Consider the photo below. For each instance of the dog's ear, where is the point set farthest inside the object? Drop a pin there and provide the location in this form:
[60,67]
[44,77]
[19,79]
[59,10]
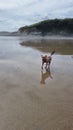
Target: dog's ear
[41,56]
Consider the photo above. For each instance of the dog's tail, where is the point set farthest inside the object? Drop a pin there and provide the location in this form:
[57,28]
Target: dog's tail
[52,53]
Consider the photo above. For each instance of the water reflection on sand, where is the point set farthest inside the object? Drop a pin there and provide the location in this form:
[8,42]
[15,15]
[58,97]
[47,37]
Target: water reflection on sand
[26,104]
[45,75]
[61,46]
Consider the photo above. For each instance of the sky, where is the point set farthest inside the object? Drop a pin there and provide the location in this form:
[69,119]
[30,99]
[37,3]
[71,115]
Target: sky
[17,13]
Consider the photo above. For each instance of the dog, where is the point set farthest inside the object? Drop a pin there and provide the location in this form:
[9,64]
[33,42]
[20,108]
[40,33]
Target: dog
[47,59]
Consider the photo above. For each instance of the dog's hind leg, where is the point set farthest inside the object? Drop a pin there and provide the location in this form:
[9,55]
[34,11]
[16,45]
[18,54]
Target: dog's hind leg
[46,66]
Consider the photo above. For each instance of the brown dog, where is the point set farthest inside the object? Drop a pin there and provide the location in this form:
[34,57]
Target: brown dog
[47,59]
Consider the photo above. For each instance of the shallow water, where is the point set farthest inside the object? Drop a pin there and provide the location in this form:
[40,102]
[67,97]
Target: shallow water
[31,99]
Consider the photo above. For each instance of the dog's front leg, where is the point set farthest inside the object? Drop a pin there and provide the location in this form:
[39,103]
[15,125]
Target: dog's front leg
[47,66]
[42,65]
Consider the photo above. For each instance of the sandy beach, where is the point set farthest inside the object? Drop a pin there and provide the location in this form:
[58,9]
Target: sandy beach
[30,99]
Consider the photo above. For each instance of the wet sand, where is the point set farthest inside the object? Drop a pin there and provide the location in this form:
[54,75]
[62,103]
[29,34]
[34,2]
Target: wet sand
[30,99]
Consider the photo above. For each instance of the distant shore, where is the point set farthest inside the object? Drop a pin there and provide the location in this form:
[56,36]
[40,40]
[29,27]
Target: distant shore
[60,28]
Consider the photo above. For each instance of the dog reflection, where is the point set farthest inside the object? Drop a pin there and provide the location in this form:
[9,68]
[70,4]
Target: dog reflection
[45,75]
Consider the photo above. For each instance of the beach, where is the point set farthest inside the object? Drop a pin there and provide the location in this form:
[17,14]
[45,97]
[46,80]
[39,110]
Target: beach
[30,99]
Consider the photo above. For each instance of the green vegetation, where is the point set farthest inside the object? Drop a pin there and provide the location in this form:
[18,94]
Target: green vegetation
[56,26]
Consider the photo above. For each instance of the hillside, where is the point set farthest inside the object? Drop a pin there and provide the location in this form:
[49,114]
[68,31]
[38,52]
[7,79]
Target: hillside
[4,33]
[49,27]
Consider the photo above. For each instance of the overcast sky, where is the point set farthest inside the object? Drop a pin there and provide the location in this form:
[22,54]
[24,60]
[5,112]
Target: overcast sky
[18,13]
